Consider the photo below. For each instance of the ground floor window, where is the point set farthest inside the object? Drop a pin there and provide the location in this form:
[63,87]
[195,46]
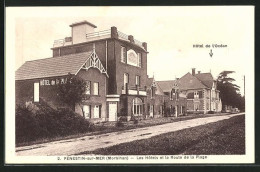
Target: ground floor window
[196,107]
[161,110]
[86,111]
[137,106]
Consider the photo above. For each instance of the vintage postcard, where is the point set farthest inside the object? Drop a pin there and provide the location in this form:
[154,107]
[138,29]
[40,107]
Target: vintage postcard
[129,85]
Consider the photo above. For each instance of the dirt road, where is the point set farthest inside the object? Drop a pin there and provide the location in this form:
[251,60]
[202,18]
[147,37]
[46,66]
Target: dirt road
[90,143]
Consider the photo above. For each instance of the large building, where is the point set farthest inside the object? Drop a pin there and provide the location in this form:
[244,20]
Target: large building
[113,64]
[114,68]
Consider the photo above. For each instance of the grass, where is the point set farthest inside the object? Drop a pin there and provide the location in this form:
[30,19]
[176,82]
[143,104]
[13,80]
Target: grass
[108,127]
[226,137]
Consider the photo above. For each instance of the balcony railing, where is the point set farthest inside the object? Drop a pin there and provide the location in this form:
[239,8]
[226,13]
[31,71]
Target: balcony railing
[122,36]
[134,90]
[97,36]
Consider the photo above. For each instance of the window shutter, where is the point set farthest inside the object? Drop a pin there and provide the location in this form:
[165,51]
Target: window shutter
[99,111]
[90,114]
[200,94]
[190,96]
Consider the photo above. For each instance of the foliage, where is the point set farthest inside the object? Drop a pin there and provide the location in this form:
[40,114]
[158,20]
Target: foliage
[211,112]
[229,92]
[47,123]
[72,91]
[119,124]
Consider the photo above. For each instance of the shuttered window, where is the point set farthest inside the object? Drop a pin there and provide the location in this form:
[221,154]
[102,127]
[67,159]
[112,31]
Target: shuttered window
[96,88]
[87,87]
[139,62]
[123,54]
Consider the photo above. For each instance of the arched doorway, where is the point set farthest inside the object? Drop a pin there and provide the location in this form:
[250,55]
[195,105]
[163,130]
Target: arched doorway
[137,107]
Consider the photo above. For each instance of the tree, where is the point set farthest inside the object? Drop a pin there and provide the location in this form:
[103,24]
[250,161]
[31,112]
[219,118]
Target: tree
[229,92]
[72,91]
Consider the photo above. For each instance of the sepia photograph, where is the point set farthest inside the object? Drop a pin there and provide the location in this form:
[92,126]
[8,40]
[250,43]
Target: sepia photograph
[168,84]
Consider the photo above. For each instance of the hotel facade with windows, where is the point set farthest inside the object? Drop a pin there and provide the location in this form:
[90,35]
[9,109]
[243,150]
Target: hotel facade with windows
[113,65]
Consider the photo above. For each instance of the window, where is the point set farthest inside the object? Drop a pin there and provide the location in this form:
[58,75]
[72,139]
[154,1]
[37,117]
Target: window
[152,92]
[126,79]
[137,106]
[96,88]
[36,96]
[196,94]
[172,93]
[86,111]
[87,87]
[137,80]
[123,54]
[139,60]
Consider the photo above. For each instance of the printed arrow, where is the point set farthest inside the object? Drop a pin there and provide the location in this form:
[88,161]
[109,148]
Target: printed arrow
[211,54]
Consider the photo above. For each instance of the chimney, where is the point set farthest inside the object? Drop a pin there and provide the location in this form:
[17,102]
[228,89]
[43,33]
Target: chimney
[198,72]
[144,45]
[80,30]
[114,33]
[193,71]
[131,38]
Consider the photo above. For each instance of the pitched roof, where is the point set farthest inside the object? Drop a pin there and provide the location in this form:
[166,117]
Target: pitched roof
[159,90]
[149,82]
[53,66]
[205,78]
[188,81]
[166,86]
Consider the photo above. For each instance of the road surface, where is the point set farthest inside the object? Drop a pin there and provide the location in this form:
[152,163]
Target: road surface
[90,143]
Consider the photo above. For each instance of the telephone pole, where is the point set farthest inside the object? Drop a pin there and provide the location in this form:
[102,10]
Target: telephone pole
[244,85]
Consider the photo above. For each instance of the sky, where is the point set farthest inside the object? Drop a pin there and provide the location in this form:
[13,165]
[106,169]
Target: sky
[170,33]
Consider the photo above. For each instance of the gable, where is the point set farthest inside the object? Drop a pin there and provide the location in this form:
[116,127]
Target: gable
[206,79]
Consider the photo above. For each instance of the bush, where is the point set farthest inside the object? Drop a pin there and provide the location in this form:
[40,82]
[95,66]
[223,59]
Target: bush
[135,121]
[122,118]
[119,124]
[48,123]
[26,125]
[211,112]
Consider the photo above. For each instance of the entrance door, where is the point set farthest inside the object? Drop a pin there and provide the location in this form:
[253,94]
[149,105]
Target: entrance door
[151,110]
[96,111]
[112,111]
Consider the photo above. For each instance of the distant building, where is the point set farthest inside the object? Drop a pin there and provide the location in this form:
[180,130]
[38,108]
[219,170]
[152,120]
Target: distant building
[155,99]
[175,99]
[201,91]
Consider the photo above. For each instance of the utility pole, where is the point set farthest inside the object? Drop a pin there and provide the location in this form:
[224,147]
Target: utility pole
[244,86]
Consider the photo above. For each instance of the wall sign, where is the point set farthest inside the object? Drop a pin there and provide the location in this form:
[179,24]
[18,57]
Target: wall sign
[53,81]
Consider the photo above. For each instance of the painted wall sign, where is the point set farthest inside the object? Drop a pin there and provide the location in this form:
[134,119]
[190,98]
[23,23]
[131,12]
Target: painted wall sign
[53,81]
